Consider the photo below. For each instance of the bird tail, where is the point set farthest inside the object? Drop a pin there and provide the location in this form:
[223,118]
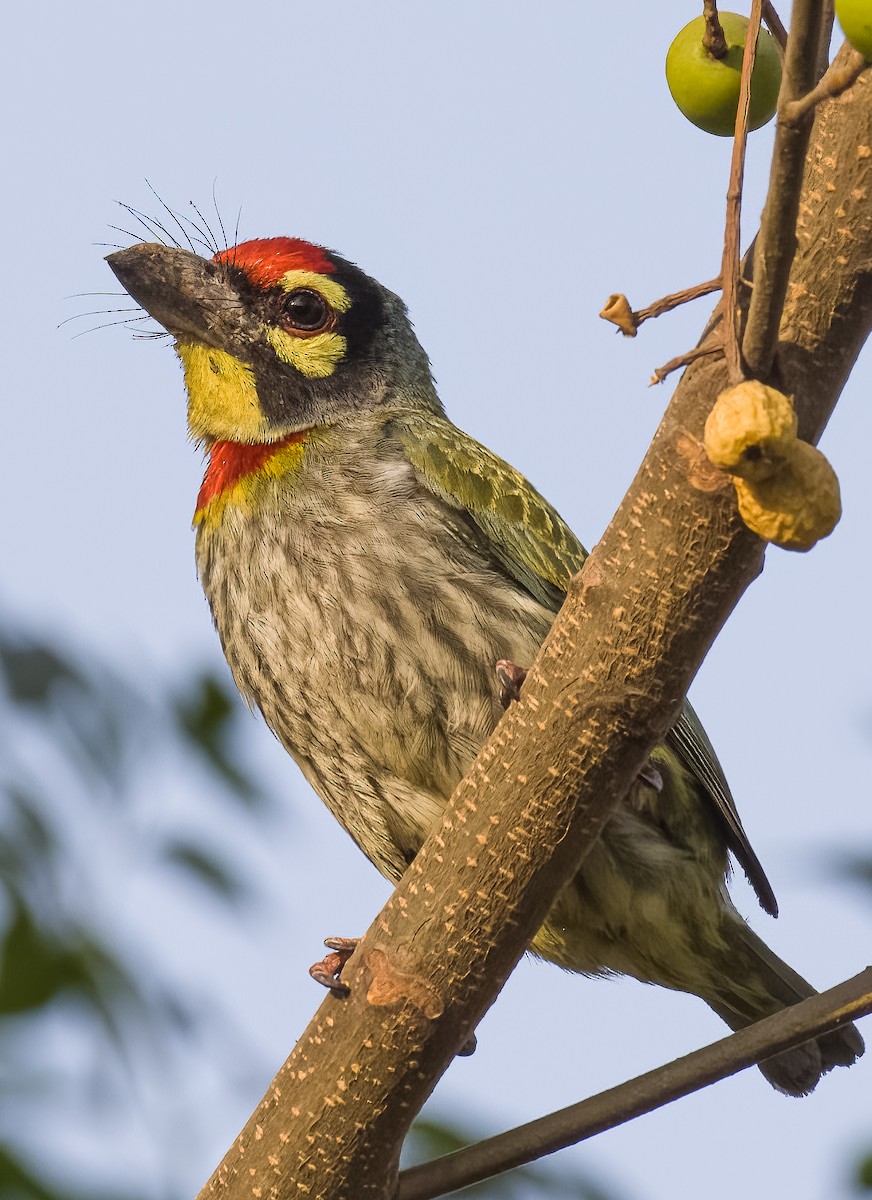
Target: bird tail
[769,985]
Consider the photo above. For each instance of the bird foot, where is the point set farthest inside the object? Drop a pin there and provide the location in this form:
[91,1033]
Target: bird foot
[511,679]
[327,972]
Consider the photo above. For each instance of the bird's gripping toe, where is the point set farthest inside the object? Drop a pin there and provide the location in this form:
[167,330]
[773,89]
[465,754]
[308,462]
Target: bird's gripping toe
[511,679]
[328,971]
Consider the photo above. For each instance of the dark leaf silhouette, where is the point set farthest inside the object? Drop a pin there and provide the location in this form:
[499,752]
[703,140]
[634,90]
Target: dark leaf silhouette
[76,733]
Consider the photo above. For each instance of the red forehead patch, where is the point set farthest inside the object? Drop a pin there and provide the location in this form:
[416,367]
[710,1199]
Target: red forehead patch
[266,260]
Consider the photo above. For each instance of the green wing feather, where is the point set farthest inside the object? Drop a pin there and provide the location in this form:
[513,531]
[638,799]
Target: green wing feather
[530,539]
[539,550]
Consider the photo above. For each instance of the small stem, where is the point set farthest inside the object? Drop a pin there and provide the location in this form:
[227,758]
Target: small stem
[667,303]
[713,38]
[836,79]
[827,21]
[774,25]
[617,308]
[732,231]
[776,242]
[683,360]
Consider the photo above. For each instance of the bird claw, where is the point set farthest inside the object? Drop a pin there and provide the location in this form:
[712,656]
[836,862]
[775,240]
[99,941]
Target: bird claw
[511,679]
[327,972]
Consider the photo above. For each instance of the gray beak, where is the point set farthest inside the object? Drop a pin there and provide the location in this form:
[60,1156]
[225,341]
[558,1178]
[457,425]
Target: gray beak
[190,296]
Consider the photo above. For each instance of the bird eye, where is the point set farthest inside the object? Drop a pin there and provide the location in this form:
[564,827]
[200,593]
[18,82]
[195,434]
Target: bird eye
[307,310]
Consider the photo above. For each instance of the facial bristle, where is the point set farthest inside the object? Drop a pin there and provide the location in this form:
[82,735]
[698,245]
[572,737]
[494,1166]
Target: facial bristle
[266,260]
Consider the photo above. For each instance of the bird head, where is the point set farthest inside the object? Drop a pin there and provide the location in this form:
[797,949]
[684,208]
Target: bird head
[277,335]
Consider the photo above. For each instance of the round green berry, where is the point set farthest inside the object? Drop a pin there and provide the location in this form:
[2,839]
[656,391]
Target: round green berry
[855,18]
[706,89]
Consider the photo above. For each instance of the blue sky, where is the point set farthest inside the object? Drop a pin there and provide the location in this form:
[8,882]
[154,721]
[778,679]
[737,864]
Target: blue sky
[504,168]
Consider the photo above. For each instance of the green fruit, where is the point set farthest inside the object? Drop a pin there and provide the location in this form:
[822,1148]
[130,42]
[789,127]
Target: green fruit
[706,89]
[855,18]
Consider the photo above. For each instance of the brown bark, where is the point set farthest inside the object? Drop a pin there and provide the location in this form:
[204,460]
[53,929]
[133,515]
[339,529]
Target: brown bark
[776,241]
[606,687]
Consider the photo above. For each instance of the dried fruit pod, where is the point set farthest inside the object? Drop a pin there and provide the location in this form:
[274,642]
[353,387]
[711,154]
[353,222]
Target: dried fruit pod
[617,310]
[751,431]
[798,505]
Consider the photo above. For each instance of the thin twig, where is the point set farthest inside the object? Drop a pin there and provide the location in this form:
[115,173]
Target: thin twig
[683,360]
[713,39]
[828,19]
[836,79]
[666,303]
[617,308]
[776,242]
[732,230]
[774,25]
[791,1027]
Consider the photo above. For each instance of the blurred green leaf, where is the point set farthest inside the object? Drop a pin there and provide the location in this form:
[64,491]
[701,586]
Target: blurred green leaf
[864,1175]
[207,869]
[74,732]
[857,868]
[27,836]
[34,968]
[33,671]
[17,1182]
[205,716]
[90,708]
[39,965]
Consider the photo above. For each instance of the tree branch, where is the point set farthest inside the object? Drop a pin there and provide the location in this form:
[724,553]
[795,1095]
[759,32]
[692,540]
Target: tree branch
[828,20]
[607,685]
[684,360]
[774,24]
[841,74]
[617,307]
[732,231]
[577,1122]
[667,303]
[776,241]
[713,39]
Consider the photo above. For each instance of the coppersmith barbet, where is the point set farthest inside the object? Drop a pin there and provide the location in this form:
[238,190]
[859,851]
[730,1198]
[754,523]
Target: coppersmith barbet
[354,543]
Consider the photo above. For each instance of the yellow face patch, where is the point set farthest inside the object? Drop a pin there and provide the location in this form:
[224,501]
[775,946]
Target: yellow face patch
[222,397]
[315,357]
[222,394]
[334,293]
